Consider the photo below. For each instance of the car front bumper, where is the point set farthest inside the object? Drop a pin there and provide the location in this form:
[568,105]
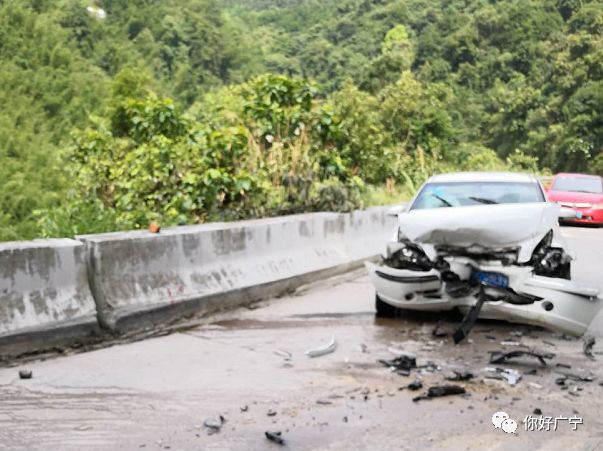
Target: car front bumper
[585,216]
[562,306]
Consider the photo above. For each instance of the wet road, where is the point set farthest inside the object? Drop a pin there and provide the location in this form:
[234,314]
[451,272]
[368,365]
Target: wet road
[155,394]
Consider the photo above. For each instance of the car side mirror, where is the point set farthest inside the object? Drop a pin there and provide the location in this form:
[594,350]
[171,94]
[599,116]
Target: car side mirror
[567,213]
[395,211]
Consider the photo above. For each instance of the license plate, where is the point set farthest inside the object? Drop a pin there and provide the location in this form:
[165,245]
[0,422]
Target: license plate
[579,214]
[493,279]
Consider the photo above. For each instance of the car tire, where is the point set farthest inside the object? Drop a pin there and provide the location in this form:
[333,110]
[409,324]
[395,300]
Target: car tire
[384,309]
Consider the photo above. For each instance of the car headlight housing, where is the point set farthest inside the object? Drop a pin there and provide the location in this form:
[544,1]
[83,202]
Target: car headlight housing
[550,261]
[407,255]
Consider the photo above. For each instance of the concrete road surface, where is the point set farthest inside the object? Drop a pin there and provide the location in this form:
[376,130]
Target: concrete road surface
[157,393]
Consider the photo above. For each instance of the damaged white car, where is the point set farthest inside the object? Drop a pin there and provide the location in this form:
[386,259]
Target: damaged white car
[488,244]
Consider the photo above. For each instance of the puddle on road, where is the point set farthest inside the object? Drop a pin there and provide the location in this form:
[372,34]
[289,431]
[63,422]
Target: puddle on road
[410,320]
[295,321]
[334,315]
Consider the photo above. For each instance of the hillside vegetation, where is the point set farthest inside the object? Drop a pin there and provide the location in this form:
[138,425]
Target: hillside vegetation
[184,111]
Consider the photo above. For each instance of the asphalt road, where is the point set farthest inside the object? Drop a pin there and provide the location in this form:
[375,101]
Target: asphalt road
[156,394]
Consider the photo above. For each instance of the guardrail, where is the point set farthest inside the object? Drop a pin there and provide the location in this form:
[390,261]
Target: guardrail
[45,299]
[58,291]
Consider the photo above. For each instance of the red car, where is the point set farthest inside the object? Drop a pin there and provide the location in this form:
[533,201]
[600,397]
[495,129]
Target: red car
[583,193]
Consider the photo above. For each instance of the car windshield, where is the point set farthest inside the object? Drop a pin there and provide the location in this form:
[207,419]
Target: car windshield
[578,184]
[458,194]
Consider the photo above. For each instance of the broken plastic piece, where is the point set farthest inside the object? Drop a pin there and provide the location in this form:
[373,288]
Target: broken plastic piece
[470,318]
[323,350]
[284,354]
[430,367]
[510,343]
[416,385]
[214,424]
[276,437]
[502,357]
[25,374]
[573,377]
[445,390]
[401,365]
[441,390]
[438,330]
[460,376]
[510,375]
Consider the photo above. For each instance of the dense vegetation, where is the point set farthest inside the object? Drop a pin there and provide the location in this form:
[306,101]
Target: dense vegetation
[183,111]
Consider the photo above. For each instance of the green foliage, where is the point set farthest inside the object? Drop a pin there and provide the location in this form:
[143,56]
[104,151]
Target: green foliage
[185,111]
[597,166]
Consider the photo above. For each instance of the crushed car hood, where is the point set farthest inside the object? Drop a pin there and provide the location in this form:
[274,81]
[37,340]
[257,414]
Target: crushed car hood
[492,226]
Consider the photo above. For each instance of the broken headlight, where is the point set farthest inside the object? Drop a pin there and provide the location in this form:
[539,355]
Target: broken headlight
[407,255]
[550,261]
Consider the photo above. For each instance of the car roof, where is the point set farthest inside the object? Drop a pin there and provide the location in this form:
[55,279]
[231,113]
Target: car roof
[484,177]
[575,174]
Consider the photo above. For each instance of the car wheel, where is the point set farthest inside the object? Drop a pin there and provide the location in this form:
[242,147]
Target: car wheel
[384,309]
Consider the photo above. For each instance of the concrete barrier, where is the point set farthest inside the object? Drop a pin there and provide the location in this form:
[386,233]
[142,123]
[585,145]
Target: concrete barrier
[45,299]
[140,277]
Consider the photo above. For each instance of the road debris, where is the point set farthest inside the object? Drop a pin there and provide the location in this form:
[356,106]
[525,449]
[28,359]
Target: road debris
[428,367]
[415,385]
[276,437]
[323,402]
[271,413]
[587,347]
[323,350]
[245,408]
[512,376]
[460,376]
[441,390]
[25,374]
[537,411]
[510,343]
[563,365]
[438,330]
[286,355]
[470,318]
[502,357]
[214,425]
[400,365]
[573,377]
